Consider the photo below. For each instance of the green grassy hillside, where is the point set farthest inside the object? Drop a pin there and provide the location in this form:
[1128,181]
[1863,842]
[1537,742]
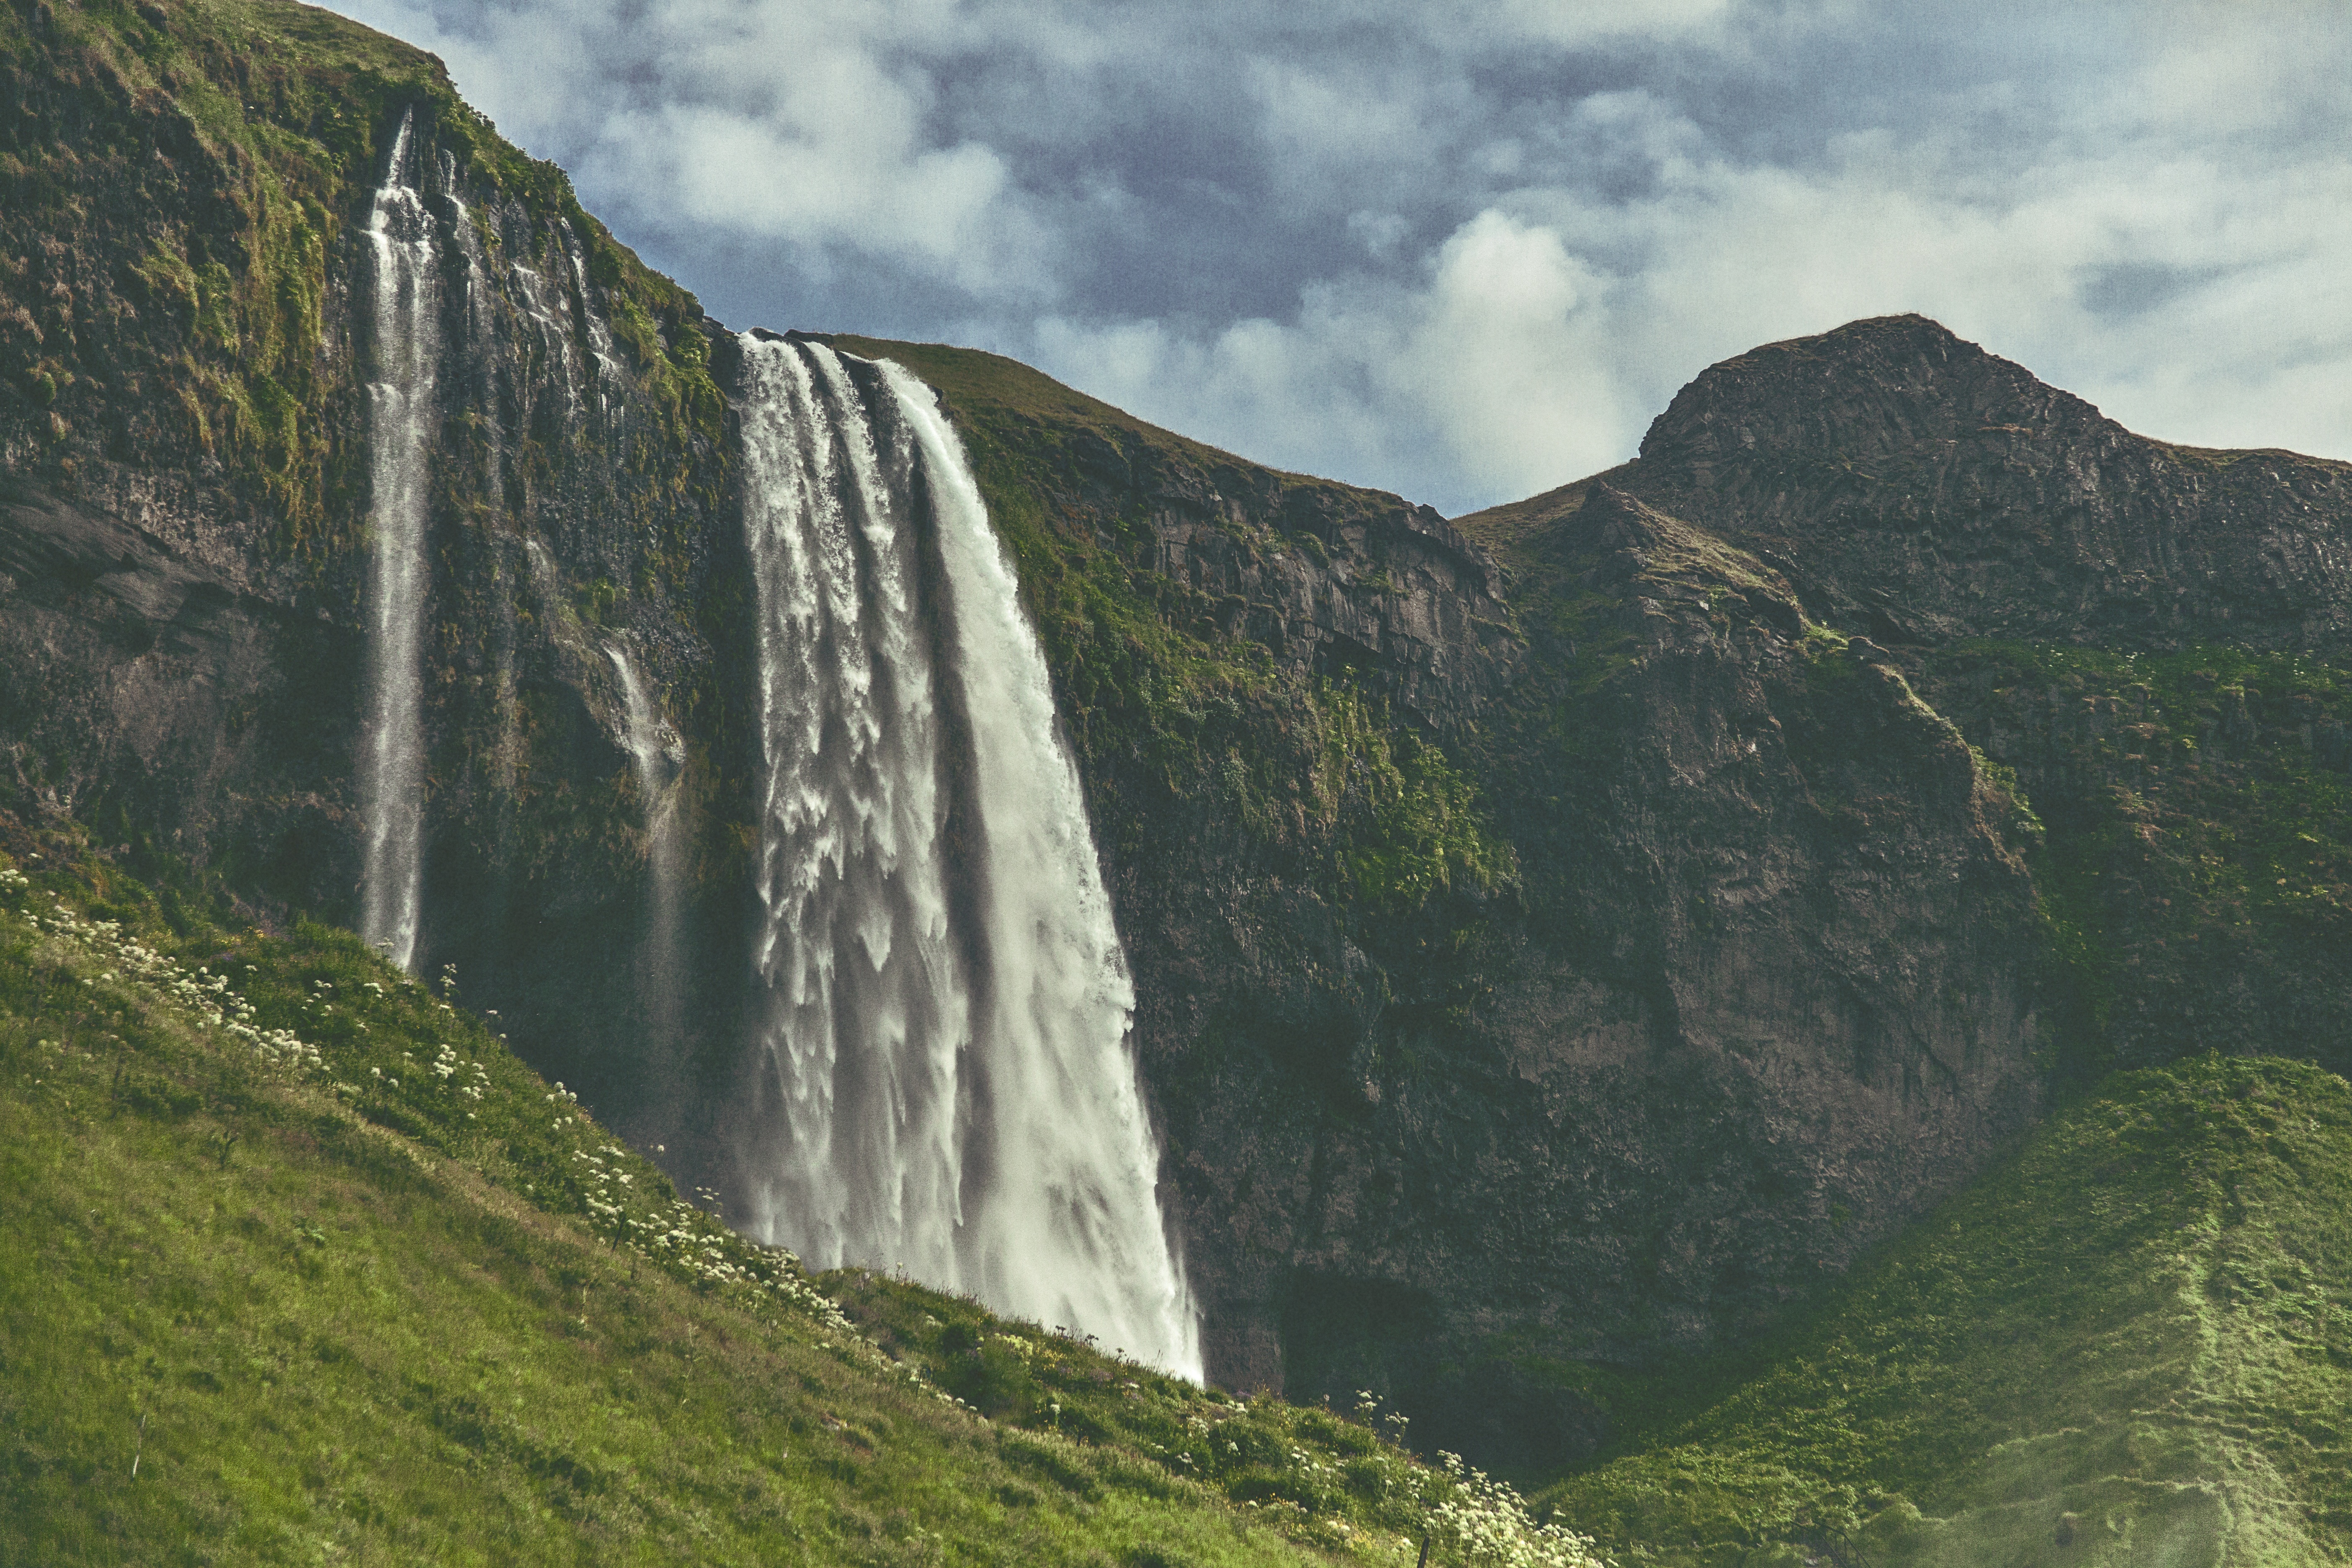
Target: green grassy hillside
[298,1264]
[2130,1344]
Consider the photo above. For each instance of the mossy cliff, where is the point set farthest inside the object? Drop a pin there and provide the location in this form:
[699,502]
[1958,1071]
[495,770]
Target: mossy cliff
[185,347]
[1663,957]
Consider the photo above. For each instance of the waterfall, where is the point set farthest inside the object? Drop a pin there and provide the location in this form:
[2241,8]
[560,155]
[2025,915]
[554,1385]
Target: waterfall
[600,336]
[399,431]
[654,757]
[946,1000]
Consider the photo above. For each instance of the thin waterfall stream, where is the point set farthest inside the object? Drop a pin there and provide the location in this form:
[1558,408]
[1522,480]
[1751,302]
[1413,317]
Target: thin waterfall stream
[654,757]
[946,1001]
[400,430]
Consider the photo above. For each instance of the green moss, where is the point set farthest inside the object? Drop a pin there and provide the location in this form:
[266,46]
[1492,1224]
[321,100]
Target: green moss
[1376,816]
[1425,832]
[279,108]
[2192,818]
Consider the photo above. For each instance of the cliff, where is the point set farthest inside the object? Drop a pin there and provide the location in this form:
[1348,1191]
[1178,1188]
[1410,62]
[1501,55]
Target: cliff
[2153,638]
[185,349]
[1721,966]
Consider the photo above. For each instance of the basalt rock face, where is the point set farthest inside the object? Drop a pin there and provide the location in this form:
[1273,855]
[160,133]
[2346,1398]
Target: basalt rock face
[2153,637]
[1769,991]
[1736,977]
[160,684]
[1923,490]
[187,348]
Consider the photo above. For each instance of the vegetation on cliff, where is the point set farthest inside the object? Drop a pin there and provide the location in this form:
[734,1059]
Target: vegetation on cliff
[177,181]
[2198,865]
[1346,790]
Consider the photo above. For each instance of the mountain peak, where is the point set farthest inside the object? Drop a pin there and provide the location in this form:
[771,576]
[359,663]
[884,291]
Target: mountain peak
[1925,490]
[1871,387]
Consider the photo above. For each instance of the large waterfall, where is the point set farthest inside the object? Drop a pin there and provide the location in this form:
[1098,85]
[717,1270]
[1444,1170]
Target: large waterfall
[400,420]
[946,1001]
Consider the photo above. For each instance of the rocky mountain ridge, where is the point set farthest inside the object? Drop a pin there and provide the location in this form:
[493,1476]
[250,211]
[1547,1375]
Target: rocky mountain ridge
[2151,636]
[1928,491]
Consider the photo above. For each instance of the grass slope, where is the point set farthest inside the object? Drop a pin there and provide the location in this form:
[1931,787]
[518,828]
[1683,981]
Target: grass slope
[299,1265]
[2130,1344]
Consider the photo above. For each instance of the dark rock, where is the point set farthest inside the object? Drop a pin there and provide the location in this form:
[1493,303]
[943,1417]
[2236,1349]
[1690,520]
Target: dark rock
[1914,476]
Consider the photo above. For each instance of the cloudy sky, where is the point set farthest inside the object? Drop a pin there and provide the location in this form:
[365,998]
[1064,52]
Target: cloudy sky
[1465,251]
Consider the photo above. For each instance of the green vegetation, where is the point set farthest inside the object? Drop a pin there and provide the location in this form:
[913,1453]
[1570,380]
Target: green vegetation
[301,1264]
[2195,805]
[2129,1343]
[1328,1480]
[1427,833]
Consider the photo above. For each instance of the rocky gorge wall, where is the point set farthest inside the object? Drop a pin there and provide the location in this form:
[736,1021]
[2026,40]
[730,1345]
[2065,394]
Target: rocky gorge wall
[1556,947]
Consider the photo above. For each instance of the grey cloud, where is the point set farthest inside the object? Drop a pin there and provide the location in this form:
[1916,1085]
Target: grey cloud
[2134,288]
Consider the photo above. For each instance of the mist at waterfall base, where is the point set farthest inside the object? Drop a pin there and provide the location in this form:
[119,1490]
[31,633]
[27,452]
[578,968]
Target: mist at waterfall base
[946,1003]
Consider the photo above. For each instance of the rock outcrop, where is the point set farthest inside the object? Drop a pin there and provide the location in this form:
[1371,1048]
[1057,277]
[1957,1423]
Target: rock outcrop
[1923,489]
[1768,991]
[2153,637]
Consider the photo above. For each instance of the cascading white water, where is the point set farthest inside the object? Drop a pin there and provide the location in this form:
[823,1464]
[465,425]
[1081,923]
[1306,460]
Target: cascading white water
[400,418]
[947,1000]
[600,336]
[554,336]
[653,760]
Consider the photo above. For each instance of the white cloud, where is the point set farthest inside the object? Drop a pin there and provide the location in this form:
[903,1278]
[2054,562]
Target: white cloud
[1511,354]
[840,183]
[809,125]
[1570,23]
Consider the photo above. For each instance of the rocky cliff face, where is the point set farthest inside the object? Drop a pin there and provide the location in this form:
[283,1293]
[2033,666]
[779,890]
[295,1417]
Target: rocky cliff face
[2153,637]
[1669,955]
[1547,959]
[1767,992]
[186,344]
[1923,490]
